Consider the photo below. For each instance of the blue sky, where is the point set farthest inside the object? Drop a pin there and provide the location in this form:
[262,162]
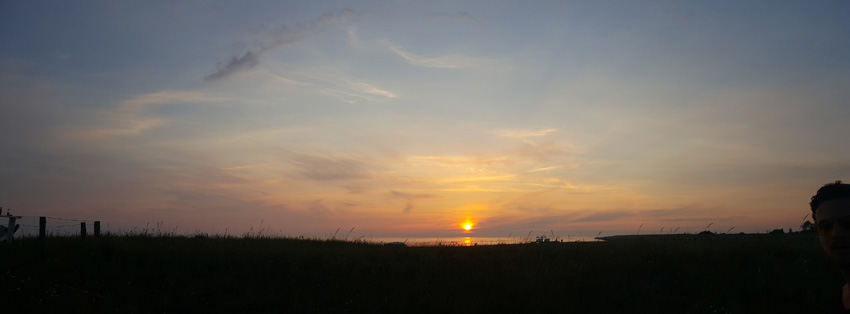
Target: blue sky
[405,118]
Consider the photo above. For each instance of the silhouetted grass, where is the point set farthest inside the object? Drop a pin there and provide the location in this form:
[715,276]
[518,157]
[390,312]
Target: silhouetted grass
[217,274]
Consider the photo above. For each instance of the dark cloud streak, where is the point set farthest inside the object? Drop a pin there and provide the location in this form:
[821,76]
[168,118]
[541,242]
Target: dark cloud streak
[283,36]
[410,198]
[246,62]
[325,168]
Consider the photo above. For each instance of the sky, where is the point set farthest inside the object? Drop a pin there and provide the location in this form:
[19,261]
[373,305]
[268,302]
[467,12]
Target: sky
[413,118]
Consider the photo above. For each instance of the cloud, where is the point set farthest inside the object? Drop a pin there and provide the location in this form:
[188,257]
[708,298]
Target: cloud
[166,97]
[542,151]
[336,83]
[246,62]
[316,206]
[410,197]
[499,178]
[372,90]
[474,190]
[128,127]
[533,221]
[602,217]
[206,200]
[351,92]
[544,169]
[474,163]
[329,168]
[690,213]
[129,118]
[455,61]
[531,147]
[283,36]
[353,39]
[523,134]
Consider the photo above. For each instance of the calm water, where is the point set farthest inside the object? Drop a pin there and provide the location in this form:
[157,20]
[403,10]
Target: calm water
[470,241]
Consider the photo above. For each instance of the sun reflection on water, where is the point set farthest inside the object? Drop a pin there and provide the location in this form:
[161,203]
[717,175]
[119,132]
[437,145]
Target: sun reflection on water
[467,242]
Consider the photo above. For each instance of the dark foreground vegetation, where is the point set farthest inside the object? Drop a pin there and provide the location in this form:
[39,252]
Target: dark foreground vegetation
[144,274]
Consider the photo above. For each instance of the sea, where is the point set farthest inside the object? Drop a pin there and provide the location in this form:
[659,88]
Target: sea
[472,241]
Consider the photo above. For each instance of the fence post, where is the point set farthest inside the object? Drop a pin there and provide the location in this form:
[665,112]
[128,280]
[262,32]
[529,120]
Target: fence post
[83,230]
[97,228]
[42,228]
[11,231]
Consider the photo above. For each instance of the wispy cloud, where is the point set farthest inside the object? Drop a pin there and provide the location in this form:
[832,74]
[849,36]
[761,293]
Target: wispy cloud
[128,127]
[411,197]
[523,134]
[686,216]
[353,92]
[235,65]
[473,190]
[283,36]
[129,117]
[453,61]
[542,151]
[353,39]
[372,90]
[471,165]
[137,103]
[544,169]
[326,167]
[333,82]
[605,216]
[536,145]
[500,178]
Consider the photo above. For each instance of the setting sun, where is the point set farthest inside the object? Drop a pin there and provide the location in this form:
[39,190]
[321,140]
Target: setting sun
[467,225]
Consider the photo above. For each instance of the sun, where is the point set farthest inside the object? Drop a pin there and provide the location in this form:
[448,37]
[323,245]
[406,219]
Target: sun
[467,225]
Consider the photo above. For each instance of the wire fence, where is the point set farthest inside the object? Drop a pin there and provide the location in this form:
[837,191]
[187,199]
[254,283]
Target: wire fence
[49,226]
[31,226]
[67,219]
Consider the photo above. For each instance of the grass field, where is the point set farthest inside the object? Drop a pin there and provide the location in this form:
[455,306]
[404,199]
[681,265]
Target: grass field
[149,274]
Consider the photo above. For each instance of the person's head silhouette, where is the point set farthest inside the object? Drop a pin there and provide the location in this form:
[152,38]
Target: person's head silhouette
[831,212]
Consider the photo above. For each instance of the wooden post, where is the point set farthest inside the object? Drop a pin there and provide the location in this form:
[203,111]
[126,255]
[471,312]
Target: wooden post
[83,230]
[11,231]
[42,228]
[97,228]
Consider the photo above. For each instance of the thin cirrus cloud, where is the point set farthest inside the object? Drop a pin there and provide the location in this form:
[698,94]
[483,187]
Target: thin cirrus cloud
[329,81]
[372,90]
[411,198]
[465,163]
[497,178]
[606,216]
[353,92]
[326,167]
[130,116]
[523,134]
[544,169]
[453,61]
